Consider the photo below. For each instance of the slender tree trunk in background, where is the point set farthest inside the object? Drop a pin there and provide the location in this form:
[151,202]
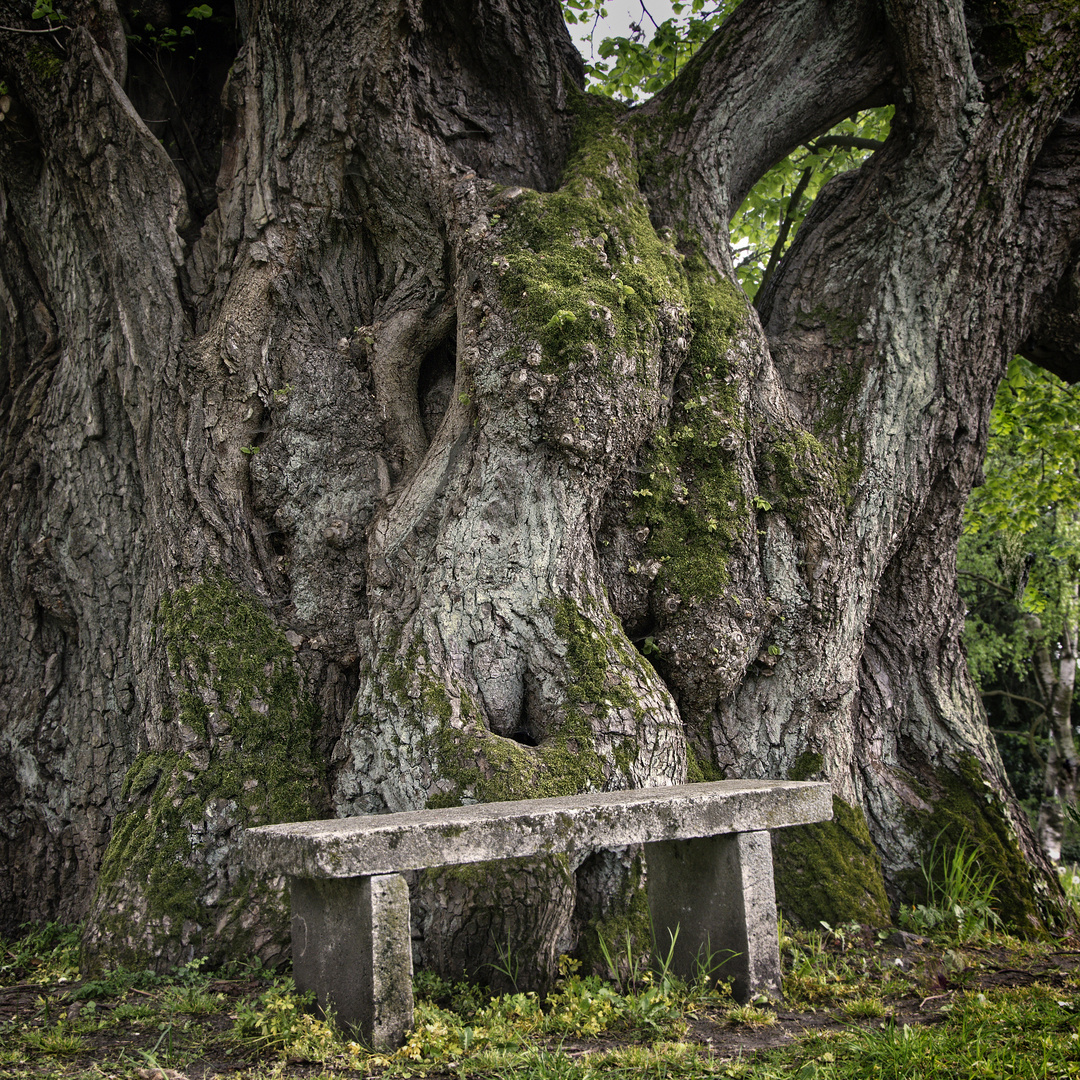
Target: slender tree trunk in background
[1062,760]
[352,481]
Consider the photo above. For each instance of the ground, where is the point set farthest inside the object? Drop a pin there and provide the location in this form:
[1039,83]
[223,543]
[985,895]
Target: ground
[857,1003]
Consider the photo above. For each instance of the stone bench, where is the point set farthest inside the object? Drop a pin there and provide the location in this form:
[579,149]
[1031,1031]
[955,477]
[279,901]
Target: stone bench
[707,852]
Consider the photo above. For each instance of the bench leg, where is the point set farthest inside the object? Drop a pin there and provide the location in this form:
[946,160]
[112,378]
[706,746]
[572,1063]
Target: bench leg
[718,891]
[351,945]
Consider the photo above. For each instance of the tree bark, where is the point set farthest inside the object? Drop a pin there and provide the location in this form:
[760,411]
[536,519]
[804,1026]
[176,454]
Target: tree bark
[353,482]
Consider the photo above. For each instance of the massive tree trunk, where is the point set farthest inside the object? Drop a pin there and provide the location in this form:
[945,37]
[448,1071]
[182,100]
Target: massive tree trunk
[356,481]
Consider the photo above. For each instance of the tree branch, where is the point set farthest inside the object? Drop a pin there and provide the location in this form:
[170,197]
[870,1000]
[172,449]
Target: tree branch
[845,142]
[785,226]
[931,42]
[47,30]
[987,581]
[773,77]
[1014,697]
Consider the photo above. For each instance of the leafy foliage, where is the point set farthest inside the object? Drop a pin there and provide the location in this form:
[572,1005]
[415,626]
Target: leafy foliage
[764,226]
[959,897]
[1033,463]
[1018,561]
[632,68]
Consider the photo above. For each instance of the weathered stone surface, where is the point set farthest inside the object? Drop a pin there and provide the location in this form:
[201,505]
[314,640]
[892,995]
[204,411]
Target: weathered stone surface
[712,901]
[710,880]
[351,946]
[392,843]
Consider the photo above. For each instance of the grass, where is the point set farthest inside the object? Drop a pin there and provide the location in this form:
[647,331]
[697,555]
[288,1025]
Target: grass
[959,897]
[855,1007]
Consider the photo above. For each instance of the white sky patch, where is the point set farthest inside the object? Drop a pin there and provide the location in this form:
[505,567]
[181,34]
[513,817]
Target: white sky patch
[621,13]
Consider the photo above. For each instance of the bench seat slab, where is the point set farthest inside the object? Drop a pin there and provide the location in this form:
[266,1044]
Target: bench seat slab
[717,893]
[424,839]
[352,946]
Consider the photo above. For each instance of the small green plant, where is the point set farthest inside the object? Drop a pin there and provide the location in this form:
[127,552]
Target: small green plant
[508,964]
[751,1015]
[278,1020]
[46,953]
[843,935]
[115,983]
[58,1041]
[44,9]
[625,967]
[864,1008]
[193,1000]
[560,318]
[959,897]
[1069,876]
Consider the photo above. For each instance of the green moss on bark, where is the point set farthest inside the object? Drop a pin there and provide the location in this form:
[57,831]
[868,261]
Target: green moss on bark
[584,266]
[967,811]
[691,496]
[807,765]
[475,764]
[251,729]
[700,770]
[830,870]
[588,275]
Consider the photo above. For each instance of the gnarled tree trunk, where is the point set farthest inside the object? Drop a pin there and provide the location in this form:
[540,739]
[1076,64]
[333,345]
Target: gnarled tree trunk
[356,482]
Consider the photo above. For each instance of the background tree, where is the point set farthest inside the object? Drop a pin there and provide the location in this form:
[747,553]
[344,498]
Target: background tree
[1019,559]
[353,482]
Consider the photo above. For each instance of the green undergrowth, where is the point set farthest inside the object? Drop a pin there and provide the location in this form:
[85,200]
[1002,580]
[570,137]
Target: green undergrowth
[968,813]
[854,1008]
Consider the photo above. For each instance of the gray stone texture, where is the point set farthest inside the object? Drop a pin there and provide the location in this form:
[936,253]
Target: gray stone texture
[393,843]
[351,945]
[714,896]
[710,876]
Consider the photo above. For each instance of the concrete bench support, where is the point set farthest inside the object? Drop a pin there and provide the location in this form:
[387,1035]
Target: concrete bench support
[352,946]
[715,896]
[708,857]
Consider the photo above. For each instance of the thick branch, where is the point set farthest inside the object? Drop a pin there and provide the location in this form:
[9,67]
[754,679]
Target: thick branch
[934,57]
[772,77]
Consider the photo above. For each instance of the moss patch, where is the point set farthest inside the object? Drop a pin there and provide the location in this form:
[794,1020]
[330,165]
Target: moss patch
[588,275]
[44,62]
[807,765]
[700,770]
[691,497]
[966,811]
[585,266]
[830,870]
[239,693]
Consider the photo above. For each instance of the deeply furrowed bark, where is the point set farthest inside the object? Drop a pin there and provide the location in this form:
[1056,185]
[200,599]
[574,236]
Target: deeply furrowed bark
[355,484]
